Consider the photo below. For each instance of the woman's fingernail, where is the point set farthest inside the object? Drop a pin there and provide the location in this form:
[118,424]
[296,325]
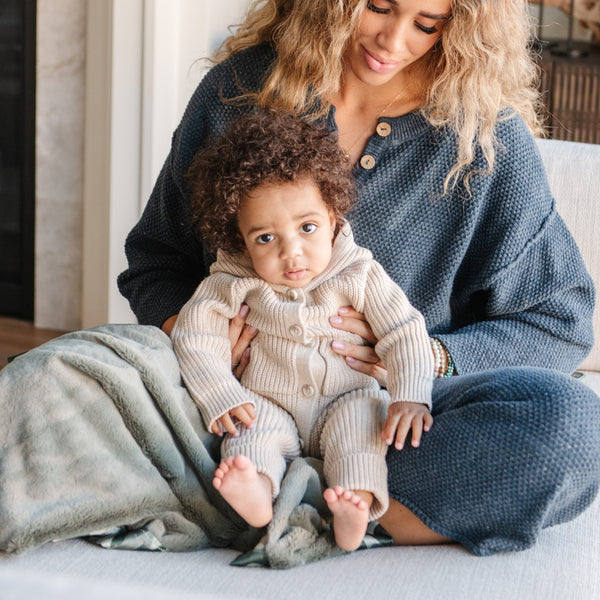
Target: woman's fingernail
[337,345]
[344,310]
[350,360]
[336,320]
[252,330]
[246,353]
[244,310]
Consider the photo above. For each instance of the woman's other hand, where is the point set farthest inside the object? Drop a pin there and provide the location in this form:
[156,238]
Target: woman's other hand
[360,358]
[240,337]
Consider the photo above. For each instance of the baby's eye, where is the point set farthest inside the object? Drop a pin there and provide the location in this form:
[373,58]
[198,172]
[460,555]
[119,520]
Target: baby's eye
[309,228]
[265,238]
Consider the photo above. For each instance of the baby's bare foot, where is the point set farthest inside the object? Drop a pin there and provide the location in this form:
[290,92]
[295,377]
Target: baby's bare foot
[350,516]
[246,490]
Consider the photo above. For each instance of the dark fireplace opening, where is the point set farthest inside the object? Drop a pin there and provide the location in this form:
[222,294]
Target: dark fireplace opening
[17,156]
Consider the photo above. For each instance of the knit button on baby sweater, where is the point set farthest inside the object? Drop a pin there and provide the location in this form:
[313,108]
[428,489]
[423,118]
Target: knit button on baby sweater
[308,391]
[296,331]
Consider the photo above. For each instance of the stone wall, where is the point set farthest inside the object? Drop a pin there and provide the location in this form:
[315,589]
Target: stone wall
[60,98]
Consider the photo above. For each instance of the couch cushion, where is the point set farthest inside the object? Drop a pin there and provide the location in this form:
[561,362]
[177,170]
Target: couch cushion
[574,175]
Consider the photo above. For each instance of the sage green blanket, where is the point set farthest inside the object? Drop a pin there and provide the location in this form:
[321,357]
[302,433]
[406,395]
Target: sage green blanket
[100,438]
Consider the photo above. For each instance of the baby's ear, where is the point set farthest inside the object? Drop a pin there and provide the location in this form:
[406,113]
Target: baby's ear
[332,222]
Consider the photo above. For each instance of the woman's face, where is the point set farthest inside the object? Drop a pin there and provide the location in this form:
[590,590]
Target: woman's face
[393,34]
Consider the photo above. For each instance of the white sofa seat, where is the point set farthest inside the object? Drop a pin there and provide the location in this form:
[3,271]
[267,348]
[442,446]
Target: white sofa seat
[563,564]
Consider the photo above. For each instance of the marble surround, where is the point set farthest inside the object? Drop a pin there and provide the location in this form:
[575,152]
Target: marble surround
[60,99]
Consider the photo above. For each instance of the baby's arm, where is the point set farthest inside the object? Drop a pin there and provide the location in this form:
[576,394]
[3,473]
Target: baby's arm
[244,414]
[403,416]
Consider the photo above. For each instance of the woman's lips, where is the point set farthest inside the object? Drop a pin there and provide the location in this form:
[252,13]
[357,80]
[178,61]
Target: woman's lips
[378,65]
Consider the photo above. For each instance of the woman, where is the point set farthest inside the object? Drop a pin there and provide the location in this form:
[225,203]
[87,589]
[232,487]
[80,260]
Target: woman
[435,103]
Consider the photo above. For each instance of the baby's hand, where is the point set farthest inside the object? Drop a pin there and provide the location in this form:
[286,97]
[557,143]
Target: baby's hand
[244,414]
[403,416]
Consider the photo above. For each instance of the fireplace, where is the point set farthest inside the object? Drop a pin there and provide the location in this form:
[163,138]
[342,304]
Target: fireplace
[17,156]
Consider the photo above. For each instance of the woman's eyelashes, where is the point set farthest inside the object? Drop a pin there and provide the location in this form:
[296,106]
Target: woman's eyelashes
[427,30]
[384,11]
[377,9]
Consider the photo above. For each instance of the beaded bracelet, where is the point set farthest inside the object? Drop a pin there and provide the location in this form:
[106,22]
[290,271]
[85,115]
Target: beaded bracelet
[443,363]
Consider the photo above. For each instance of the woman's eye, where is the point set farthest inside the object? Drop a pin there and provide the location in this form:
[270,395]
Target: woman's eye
[377,9]
[265,238]
[427,30]
[308,228]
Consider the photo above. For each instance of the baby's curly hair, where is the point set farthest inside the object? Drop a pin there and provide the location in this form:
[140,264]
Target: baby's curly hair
[263,147]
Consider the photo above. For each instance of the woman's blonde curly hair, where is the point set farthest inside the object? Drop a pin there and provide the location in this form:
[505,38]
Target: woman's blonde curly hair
[481,65]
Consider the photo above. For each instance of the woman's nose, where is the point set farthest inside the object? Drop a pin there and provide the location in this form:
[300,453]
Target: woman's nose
[392,38]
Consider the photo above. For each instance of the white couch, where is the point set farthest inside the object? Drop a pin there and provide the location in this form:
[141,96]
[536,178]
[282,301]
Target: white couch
[564,564]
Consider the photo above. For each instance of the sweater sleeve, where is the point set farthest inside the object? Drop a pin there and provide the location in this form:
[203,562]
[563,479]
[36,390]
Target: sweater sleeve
[201,343]
[527,299]
[403,343]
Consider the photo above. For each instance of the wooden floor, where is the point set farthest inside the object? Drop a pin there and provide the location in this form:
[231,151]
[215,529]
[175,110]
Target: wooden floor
[19,336]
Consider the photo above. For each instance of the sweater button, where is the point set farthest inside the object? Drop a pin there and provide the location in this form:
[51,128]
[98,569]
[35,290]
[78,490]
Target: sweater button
[293,294]
[367,162]
[308,391]
[384,129]
[296,330]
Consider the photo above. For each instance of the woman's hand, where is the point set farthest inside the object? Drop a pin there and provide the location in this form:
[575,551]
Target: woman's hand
[240,336]
[402,417]
[243,414]
[360,358]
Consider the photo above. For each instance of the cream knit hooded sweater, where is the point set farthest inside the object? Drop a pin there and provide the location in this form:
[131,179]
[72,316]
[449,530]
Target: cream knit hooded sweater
[292,361]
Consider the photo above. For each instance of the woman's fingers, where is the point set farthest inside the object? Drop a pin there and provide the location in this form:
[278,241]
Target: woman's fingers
[352,321]
[241,366]
[236,325]
[364,354]
[362,359]
[240,337]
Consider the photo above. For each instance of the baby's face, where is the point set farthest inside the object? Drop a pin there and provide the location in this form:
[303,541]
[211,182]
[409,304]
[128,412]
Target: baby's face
[288,231]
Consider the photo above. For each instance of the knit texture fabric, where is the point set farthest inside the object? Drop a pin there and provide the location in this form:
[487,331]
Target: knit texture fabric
[496,274]
[292,360]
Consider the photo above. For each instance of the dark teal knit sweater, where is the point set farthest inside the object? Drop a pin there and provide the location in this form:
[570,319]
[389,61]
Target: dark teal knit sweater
[496,274]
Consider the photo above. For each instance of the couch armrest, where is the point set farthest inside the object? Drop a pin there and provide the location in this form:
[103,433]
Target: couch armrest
[574,175]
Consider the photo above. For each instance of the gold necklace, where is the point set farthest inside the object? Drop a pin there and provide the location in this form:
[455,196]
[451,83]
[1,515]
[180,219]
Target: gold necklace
[349,149]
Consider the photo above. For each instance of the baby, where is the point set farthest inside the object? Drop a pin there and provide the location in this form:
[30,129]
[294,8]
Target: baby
[271,195]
